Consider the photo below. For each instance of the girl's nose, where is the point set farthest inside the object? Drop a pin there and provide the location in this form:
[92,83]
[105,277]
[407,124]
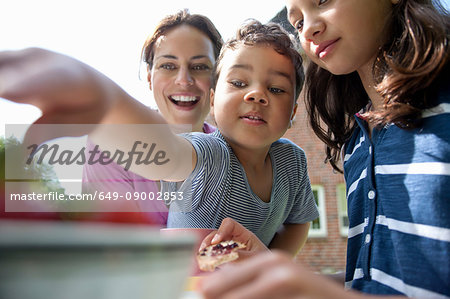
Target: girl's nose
[312,29]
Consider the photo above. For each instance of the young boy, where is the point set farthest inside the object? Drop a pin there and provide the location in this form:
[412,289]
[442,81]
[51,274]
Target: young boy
[243,171]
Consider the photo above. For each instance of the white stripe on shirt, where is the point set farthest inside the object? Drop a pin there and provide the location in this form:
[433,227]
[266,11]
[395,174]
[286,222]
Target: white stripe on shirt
[394,283]
[358,274]
[435,168]
[439,109]
[398,285]
[361,140]
[359,229]
[422,230]
[355,183]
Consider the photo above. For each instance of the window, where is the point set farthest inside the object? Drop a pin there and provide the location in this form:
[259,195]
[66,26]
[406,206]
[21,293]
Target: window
[318,226]
[341,196]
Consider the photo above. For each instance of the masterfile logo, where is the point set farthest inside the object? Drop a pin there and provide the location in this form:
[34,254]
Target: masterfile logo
[45,170]
[140,153]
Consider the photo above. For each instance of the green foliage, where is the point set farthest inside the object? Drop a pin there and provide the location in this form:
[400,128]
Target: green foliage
[40,174]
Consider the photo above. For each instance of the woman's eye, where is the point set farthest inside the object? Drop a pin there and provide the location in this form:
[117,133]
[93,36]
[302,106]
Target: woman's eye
[322,2]
[167,66]
[237,83]
[200,67]
[276,90]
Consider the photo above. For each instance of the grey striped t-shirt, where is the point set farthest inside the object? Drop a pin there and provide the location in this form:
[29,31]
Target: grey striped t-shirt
[220,189]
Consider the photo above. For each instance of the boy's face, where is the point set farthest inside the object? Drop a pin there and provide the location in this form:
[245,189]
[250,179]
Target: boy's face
[254,98]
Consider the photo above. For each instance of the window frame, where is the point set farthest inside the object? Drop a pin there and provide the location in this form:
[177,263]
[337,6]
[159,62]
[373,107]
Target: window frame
[322,231]
[341,195]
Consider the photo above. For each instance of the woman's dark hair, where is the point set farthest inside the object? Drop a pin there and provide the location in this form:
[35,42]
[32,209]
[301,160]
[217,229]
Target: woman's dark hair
[413,56]
[183,17]
[253,32]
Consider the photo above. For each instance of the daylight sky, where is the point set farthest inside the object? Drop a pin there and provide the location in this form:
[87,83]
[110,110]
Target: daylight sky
[108,34]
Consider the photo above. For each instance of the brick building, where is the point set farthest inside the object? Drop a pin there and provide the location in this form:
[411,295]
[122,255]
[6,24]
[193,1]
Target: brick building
[325,250]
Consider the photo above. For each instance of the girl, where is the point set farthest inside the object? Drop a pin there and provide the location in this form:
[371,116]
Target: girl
[377,94]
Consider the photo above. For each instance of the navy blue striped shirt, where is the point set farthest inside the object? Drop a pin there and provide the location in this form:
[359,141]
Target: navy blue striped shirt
[398,192]
[220,189]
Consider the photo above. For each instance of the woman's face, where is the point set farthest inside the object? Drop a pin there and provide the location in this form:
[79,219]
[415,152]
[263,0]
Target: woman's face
[340,35]
[181,75]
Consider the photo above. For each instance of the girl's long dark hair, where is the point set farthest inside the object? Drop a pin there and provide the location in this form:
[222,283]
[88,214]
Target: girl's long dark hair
[413,56]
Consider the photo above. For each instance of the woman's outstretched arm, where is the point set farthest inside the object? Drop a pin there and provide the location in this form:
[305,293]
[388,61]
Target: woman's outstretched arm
[68,91]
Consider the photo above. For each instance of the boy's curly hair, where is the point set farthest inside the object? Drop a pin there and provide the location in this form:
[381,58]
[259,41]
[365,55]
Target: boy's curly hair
[253,32]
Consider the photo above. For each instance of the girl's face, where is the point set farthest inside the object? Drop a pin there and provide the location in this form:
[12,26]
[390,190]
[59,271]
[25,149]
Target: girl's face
[340,35]
[181,76]
[254,97]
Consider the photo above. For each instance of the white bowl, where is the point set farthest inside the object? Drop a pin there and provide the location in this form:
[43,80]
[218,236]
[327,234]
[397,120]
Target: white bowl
[46,260]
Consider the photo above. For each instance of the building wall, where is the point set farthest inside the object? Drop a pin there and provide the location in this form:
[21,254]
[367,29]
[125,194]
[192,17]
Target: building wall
[323,254]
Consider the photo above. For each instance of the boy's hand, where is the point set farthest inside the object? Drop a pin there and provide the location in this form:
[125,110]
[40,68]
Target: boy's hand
[232,230]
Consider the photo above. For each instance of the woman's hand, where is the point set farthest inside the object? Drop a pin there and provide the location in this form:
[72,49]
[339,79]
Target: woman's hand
[56,84]
[66,90]
[71,92]
[232,230]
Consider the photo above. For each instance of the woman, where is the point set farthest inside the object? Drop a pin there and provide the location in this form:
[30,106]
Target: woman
[180,56]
